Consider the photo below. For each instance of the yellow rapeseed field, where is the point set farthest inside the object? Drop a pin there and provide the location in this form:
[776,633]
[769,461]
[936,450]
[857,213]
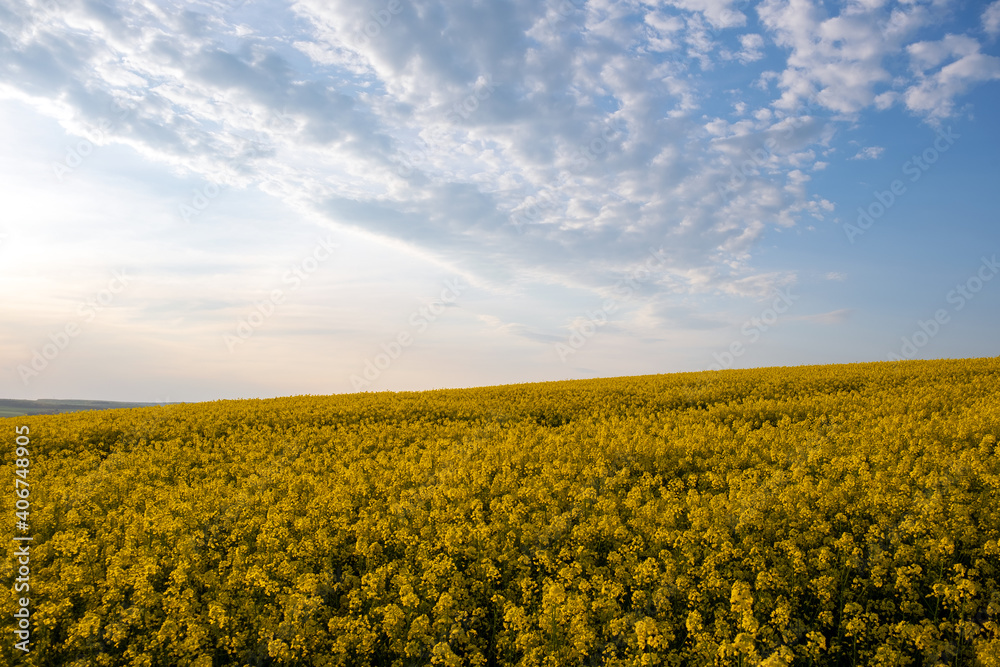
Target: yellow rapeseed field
[823,515]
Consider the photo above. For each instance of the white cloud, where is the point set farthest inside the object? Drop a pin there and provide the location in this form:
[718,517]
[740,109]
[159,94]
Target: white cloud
[934,93]
[885,100]
[929,55]
[869,153]
[367,134]
[991,18]
[753,48]
[719,13]
[841,61]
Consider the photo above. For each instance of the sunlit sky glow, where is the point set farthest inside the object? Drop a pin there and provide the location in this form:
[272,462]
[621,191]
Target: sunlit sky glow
[246,199]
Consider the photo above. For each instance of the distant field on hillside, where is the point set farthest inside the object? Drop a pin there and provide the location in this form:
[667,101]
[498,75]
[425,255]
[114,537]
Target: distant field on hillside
[823,515]
[17,408]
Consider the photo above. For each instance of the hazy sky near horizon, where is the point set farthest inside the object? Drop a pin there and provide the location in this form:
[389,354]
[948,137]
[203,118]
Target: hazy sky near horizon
[233,199]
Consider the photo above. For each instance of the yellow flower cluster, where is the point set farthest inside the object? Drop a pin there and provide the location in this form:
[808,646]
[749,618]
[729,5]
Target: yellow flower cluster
[824,515]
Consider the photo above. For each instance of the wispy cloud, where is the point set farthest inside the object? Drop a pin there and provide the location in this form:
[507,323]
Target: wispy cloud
[869,153]
[335,105]
[991,19]
[945,69]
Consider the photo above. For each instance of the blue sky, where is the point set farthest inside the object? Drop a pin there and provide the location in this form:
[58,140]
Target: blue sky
[247,199]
